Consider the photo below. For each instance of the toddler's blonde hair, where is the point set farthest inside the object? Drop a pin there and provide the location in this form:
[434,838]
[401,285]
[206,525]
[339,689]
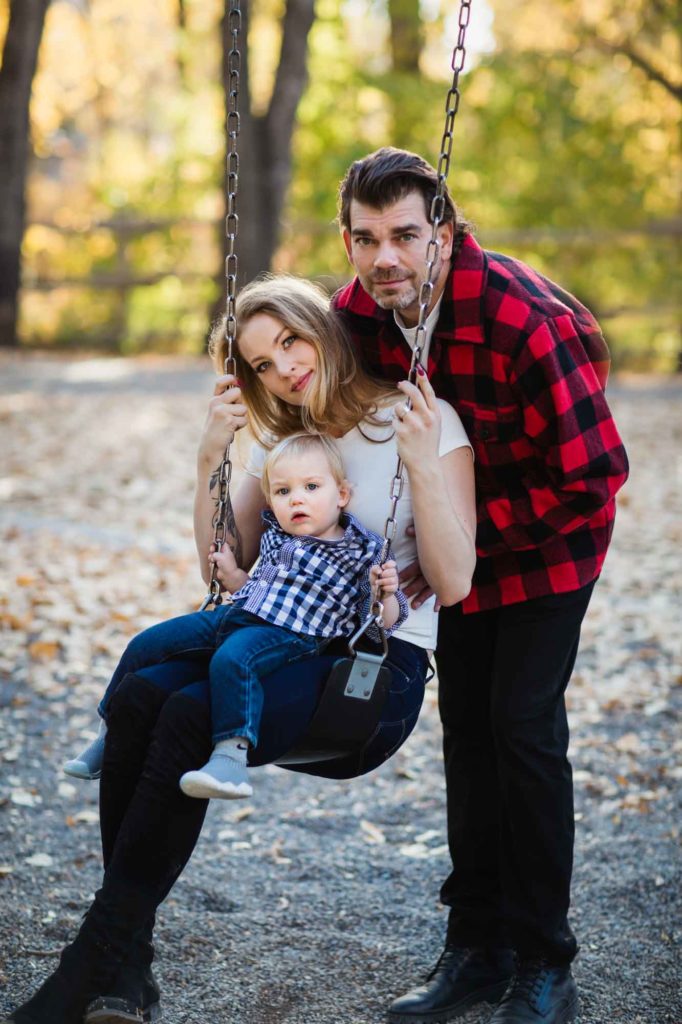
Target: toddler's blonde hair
[299,445]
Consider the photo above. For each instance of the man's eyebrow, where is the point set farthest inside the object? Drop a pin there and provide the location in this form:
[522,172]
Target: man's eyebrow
[402,229]
[275,341]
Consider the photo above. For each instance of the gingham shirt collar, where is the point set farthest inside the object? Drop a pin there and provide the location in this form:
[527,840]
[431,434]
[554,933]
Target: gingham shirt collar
[312,586]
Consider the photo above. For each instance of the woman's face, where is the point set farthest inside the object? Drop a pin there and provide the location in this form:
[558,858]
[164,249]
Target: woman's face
[285,363]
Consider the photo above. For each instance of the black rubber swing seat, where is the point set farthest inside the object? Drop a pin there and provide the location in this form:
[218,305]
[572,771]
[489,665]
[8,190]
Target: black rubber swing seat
[348,711]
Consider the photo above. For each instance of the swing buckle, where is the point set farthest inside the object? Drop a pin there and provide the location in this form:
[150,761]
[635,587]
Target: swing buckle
[365,667]
[363,675]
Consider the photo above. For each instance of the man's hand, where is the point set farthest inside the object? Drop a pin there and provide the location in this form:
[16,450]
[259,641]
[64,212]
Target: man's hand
[414,584]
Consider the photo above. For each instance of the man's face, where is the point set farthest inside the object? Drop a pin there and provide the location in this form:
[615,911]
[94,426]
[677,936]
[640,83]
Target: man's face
[387,248]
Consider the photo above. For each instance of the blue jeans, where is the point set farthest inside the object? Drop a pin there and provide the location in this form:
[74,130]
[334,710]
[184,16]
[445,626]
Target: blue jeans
[290,694]
[240,647]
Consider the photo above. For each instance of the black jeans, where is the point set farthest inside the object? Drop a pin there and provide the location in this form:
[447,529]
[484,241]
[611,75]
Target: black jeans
[503,674]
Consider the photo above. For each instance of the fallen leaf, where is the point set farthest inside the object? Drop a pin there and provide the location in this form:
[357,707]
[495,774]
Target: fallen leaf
[40,860]
[43,650]
[372,833]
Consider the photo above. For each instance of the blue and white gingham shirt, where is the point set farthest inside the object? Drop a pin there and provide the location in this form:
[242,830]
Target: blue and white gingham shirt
[317,587]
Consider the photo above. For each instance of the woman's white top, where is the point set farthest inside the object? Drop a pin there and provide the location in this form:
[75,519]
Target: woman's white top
[370,468]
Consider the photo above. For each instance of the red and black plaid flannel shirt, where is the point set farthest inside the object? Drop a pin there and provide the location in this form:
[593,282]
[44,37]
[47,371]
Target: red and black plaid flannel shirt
[525,366]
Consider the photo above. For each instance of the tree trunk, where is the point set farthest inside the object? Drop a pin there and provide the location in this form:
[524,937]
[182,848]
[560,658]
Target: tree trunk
[265,142]
[405,96]
[406,35]
[19,59]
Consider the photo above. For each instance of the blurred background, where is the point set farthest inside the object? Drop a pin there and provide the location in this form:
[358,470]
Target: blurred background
[112,117]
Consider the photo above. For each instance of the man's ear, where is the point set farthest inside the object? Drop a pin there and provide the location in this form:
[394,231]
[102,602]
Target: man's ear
[446,234]
[348,244]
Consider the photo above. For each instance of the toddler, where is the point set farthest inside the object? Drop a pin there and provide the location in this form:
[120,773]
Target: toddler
[313,582]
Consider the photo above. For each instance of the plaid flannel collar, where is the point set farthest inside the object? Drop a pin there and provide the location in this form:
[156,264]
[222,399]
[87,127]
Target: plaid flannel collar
[461,313]
[351,525]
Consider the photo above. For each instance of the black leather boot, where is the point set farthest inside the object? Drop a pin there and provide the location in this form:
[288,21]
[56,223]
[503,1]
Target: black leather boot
[134,995]
[461,978]
[133,713]
[539,993]
[157,835]
[87,966]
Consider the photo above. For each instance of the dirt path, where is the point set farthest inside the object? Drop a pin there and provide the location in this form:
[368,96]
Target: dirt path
[318,902]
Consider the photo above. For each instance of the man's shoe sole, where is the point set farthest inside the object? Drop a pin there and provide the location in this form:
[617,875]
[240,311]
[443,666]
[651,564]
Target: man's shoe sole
[492,994]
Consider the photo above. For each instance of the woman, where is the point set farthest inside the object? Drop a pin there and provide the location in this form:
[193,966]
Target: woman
[295,370]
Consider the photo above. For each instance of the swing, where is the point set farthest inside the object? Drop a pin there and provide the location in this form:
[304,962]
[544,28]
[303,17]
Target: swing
[352,699]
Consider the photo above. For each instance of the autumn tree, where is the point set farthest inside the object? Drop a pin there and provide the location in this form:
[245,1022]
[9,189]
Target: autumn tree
[19,59]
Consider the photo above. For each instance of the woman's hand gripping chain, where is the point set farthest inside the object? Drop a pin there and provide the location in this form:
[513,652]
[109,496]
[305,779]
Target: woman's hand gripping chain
[226,415]
[417,429]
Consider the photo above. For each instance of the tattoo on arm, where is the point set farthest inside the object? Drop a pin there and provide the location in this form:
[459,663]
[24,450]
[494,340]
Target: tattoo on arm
[232,534]
[232,531]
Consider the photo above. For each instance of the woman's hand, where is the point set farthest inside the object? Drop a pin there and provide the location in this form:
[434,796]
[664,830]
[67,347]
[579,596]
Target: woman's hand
[226,414]
[417,430]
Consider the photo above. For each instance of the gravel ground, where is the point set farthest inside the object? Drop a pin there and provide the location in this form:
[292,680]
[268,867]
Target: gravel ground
[317,902]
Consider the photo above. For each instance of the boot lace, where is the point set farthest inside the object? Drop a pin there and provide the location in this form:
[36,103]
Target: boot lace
[529,981]
[450,960]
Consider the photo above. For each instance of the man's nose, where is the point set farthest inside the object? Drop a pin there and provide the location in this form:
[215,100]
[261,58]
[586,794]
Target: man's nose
[385,256]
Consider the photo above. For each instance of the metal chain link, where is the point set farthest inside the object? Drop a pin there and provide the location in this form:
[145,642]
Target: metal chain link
[437,212]
[432,254]
[234,23]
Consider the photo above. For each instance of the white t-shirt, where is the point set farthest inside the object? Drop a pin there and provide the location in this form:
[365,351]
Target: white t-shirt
[410,333]
[370,468]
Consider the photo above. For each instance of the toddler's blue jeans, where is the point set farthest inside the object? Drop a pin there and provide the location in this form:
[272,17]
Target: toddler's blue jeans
[240,649]
[175,657]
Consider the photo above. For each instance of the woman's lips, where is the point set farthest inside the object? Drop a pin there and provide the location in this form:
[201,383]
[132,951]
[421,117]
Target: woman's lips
[302,381]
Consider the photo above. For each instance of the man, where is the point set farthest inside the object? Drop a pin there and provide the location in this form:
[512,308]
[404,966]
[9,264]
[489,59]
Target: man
[525,366]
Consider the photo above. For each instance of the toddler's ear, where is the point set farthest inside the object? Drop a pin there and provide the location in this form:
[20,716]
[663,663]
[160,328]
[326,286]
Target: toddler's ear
[345,491]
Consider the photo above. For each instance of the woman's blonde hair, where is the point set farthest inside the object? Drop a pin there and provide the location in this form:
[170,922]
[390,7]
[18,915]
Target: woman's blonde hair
[341,394]
[299,445]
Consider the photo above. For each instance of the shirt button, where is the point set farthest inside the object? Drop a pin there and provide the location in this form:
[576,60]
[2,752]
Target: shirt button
[262,583]
[485,433]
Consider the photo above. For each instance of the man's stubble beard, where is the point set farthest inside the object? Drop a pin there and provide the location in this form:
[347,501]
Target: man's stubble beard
[409,298]
[397,301]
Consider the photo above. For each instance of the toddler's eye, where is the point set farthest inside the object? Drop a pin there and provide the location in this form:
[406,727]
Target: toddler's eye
[311,487]
[282,490]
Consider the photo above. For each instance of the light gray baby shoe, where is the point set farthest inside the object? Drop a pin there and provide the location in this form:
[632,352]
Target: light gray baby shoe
[221,778]
[88,764]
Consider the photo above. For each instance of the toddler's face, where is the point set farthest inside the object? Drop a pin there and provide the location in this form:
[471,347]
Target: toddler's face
[305,497]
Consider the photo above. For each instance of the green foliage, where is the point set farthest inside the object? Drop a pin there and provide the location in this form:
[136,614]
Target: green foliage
[566,152]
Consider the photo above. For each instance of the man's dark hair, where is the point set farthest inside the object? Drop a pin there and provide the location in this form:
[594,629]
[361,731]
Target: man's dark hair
[389,174]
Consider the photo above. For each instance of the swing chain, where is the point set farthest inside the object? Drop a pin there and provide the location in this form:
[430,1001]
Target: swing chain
[432,253]
[234,22]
